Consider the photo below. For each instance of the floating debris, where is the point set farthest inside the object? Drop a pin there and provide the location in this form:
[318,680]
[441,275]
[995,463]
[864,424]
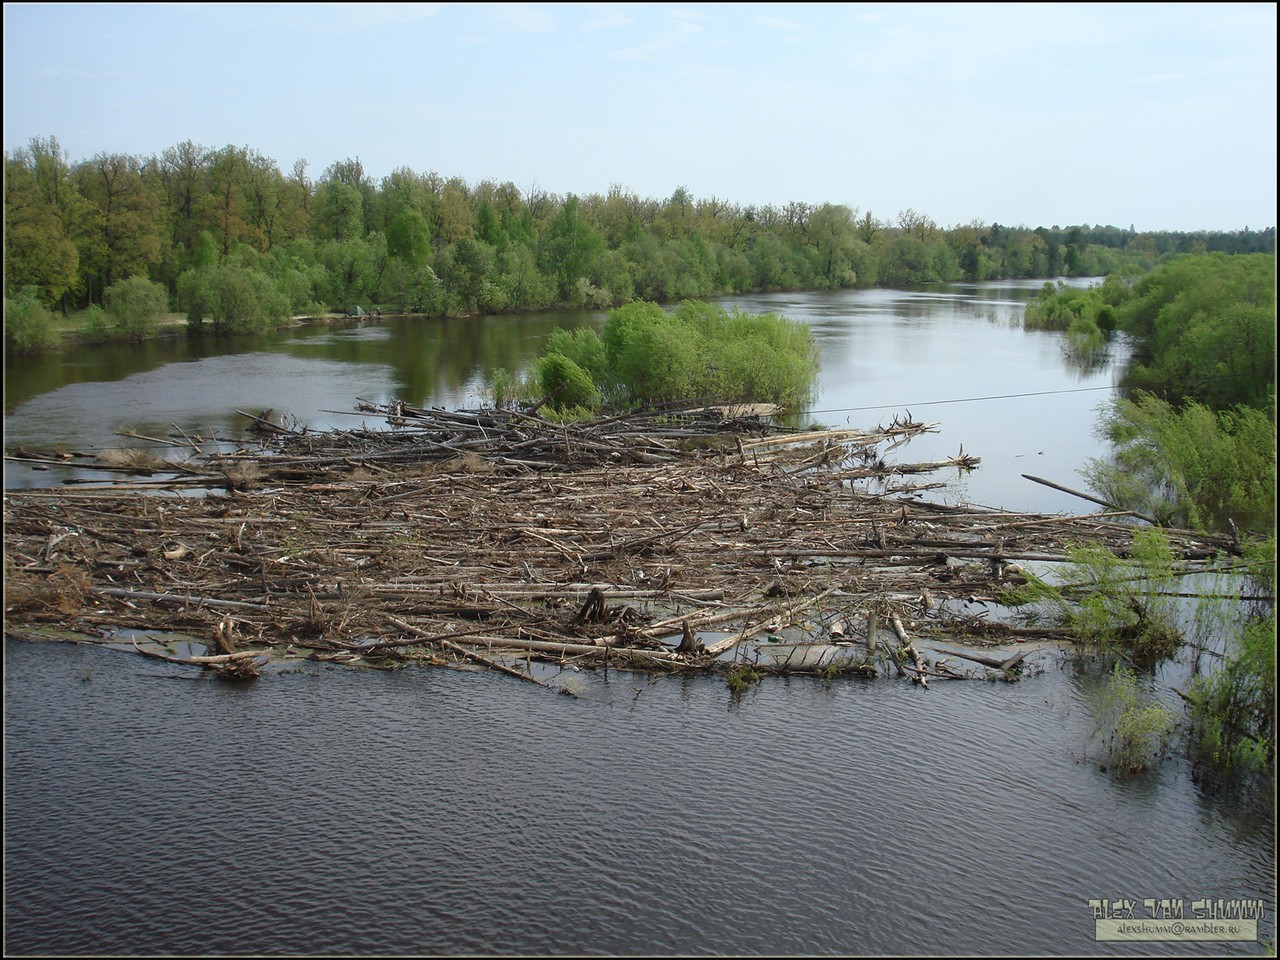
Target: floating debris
[665,540]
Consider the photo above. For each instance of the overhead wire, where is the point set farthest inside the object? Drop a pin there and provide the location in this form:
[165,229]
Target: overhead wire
[927,403]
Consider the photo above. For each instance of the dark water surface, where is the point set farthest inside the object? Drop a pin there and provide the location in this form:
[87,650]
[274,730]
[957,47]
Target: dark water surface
[428,811]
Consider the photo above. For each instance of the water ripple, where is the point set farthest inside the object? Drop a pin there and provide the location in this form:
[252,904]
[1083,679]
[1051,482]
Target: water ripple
[421,811]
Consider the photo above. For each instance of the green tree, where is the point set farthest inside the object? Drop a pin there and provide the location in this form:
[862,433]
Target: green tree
[906,261]
[183,170]
[339,212]
[38,252]
[1206,327]
[465,268]
[123,235]
[409,237]
[832,232]
[351,173]
[571,250]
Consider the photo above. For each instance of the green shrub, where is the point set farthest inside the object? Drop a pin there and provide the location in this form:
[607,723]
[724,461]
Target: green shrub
[584,347]
[28,324]
[195,295]
[1206,330]
[135,306]
[1122,606]
[566,383]
[95,323]
[704,352]
[235,298]
[1233,720]
[1189,467]
[741,676]
[1134,730]
[507,388]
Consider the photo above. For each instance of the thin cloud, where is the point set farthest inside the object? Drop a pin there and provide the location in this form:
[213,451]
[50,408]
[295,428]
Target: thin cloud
[520,17]
[683,25]
[78,73]
[608,16]
[335,18]
[676,34]
[786,26]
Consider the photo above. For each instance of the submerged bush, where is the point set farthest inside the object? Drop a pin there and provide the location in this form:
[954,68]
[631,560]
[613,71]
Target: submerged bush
[700,352]
[1233,720]
[1122,606]
[1134,730]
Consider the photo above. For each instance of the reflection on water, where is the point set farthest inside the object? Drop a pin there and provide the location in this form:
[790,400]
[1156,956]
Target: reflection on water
[426,811]
[952,354]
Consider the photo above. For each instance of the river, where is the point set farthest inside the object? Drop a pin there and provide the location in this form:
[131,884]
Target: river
[327,811]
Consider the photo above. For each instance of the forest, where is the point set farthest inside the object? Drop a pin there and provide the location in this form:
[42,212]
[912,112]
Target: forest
[226,238]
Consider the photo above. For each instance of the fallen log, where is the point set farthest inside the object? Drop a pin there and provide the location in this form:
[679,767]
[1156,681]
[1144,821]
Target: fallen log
[1091,499]
[479,658]
[1004,663]
[176,598]
[575,649]
[241,665]
[921,676]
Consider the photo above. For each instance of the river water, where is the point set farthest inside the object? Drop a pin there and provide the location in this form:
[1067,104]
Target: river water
[328,811]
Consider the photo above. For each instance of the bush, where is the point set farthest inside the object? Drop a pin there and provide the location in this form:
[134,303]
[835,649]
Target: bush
[1189,467]
[1233,709]
[135,306]
[566,383]
[28,324]
[584,347]
[235,298]
[195,295]
[1122,606]
[1135,730]
[704,352]
[1206,327]
[1233,720]
[95,323]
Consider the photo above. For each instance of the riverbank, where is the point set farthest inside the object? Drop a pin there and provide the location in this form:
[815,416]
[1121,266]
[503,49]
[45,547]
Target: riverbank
[74,334]
[673,542]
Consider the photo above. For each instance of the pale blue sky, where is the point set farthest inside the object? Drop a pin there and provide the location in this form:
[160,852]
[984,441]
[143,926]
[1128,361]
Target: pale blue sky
[1158,115]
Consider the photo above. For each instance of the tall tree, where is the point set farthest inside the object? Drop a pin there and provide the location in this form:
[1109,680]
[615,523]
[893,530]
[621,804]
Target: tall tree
[351,172]
[454,218]
[183,169]
[125,225]
[571,249]
[339,212]
[833,233]
[37,250]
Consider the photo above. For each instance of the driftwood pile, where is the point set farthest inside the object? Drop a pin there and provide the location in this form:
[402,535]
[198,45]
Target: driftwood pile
[658,541]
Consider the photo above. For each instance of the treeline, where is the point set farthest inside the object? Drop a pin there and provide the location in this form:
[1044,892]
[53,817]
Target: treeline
[231,238]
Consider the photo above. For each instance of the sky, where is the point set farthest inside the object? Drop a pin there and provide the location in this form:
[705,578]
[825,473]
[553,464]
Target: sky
[1156,116]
